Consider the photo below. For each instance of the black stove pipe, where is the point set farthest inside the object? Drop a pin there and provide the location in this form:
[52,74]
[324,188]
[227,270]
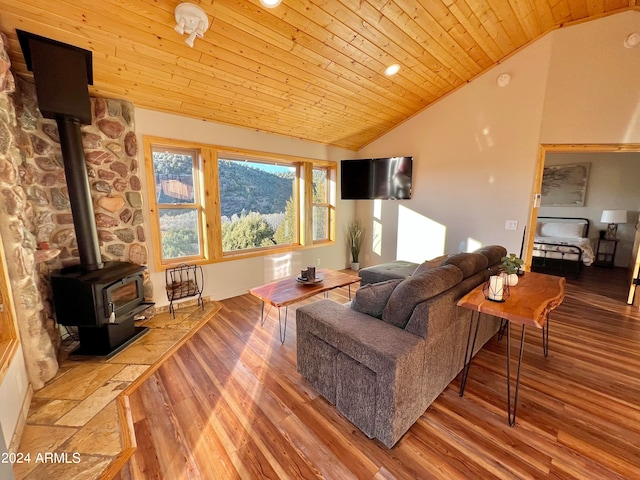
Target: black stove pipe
[75,169]
[62,74]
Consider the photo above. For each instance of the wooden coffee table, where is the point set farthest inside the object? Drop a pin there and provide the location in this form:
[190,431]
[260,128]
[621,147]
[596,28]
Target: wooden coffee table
[288,291]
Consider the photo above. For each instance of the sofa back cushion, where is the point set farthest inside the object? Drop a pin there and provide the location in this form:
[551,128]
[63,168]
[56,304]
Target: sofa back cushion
[429,264]
[469,263]
[418,288]
[494,253]
[372,298]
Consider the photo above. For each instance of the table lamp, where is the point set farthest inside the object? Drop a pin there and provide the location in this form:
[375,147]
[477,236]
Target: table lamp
[613,218]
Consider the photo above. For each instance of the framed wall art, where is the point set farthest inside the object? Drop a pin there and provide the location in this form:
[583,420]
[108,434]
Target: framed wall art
[565,185]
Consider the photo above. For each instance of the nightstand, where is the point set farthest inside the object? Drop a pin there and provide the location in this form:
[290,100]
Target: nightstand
[606,252]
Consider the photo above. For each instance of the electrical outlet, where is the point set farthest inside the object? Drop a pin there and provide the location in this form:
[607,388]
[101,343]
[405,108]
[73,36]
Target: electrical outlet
[317,262]
[511,225]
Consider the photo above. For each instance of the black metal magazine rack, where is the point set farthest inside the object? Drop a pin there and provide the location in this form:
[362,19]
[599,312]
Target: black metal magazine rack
[184,281]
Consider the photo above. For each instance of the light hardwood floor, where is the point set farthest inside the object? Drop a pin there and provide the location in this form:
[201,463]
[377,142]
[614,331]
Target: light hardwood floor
[230,404]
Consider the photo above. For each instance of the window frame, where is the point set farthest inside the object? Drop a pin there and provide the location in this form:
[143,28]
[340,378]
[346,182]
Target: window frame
[9,339]
[329,202]
[224,154]
[196,205]
[209,188]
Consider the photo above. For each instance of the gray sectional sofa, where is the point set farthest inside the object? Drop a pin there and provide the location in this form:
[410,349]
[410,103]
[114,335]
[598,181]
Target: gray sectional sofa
[384,358]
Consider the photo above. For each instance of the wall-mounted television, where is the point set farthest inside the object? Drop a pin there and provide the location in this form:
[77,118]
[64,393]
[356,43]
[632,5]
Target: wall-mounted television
[387,178]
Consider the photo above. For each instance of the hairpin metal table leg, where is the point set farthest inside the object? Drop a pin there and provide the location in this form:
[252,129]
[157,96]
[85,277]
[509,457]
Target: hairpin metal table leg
[503,326]
[263,316]
[545,338]
[511,415]
[468,354]
[283,331]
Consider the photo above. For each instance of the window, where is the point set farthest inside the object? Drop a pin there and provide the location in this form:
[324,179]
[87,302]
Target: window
[258,204]
[175,173]
[322,210]
[210,204]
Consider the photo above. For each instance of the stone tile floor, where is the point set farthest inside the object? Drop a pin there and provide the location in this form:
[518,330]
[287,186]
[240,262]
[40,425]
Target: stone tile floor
[75,415]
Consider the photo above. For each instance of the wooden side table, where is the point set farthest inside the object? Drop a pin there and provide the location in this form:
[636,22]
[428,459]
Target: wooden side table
[529,304]
[606,252]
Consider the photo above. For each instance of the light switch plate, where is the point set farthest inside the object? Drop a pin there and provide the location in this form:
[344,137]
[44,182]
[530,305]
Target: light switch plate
[511,225]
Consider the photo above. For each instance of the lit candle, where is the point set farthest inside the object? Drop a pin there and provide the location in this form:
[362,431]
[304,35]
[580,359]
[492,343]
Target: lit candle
[496,285]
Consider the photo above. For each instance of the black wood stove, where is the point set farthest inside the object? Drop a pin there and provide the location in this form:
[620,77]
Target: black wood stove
[102,299]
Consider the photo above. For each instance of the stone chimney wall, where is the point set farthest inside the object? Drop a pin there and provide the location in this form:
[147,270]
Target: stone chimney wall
[36,223]
[35,327]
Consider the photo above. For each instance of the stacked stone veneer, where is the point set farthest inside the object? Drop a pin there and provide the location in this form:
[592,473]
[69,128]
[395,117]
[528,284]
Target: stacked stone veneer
[35,214]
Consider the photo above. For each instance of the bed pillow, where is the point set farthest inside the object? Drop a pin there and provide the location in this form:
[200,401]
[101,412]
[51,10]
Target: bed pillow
[559,229]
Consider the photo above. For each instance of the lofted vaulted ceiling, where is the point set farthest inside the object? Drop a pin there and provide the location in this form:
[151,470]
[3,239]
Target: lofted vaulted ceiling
[310,69]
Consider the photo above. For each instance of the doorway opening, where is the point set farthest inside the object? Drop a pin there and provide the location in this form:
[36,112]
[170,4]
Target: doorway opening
[612,182]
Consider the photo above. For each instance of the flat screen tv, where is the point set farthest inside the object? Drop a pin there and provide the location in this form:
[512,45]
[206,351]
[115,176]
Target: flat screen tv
[371,178]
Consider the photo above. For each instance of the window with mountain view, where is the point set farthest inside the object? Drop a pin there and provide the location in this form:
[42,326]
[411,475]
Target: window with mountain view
[175,174]
[257,204]
[209,204]
[321,206]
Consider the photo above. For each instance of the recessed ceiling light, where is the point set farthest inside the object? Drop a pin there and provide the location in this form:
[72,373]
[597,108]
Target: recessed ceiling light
[632,40]
[392,70]
[270,3]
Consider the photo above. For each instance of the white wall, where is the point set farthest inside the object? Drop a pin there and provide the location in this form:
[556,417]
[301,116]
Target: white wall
[475,151]
[613,185]
[592,95]
[227,279]
[13,391]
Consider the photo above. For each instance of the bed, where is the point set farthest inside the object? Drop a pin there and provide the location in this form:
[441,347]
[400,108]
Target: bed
[561,245]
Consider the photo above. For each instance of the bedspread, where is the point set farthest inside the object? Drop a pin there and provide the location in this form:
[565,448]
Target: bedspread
[556,246]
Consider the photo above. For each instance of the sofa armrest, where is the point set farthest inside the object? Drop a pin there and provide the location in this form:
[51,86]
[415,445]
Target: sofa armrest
[371,370]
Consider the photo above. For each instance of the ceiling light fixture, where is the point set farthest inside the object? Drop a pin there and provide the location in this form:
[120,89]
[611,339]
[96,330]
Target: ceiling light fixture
[270,3]
[503,80]
[632,40]
[192,20]
[392,70]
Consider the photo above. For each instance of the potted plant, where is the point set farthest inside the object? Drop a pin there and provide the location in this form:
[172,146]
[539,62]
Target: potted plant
[511,268]
[355,235]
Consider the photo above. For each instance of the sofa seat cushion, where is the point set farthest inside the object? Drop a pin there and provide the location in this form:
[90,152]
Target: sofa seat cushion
[372,342]
[387,271]
[469,263]
[416,289]
[372,298]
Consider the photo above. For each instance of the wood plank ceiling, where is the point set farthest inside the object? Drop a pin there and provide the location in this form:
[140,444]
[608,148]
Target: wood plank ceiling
[306,69]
